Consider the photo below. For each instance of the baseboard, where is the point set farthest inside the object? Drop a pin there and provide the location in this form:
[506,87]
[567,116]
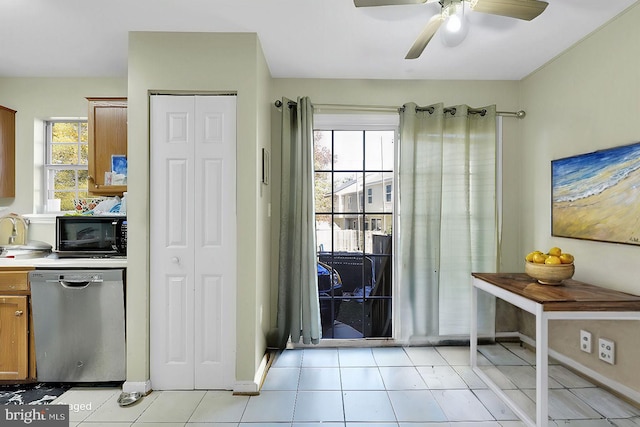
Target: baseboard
[608,383]
[143,387]
[507,336]
[252,388]
[248,388]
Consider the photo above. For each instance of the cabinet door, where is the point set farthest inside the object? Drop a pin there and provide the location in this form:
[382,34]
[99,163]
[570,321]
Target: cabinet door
[13,338]
[7,152]
[14,280]
[107,137]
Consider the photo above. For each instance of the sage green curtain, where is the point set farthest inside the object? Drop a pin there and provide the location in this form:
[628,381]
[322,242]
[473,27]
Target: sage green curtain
[447,218]
[298,305]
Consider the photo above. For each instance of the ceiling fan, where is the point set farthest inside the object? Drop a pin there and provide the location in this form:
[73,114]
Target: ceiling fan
[519,9]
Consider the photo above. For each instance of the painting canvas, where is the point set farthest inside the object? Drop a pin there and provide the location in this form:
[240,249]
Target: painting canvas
[596,196]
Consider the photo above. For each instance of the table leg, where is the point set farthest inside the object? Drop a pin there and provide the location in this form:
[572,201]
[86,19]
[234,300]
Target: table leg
[542,368]
[474,328]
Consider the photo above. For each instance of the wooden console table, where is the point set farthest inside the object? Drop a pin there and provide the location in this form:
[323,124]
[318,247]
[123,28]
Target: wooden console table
[572,300]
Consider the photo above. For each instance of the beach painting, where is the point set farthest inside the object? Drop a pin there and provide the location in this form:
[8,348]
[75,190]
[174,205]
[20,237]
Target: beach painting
[596,196]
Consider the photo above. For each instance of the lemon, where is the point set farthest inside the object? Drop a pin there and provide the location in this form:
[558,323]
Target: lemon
[566,258]
[530,255]
[539,258]
[555,251]
[552,259]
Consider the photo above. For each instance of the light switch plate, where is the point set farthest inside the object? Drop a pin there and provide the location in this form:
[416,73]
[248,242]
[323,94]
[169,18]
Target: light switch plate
[585,341]
[606,350]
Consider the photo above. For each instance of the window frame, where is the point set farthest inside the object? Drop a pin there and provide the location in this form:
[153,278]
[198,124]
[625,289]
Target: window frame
[371,121]
[49,190]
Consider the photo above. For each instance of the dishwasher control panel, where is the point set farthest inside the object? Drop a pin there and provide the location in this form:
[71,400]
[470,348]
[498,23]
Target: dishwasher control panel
[67,276]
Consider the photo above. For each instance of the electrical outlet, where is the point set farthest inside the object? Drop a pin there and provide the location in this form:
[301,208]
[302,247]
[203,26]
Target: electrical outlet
[606,350]
[585,341]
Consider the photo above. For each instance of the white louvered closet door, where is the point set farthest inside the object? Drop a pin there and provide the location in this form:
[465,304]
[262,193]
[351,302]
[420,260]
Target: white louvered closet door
[193,242]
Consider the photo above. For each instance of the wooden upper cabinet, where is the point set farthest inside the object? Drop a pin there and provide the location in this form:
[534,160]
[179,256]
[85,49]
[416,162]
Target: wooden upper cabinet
[107,137]
[7,152]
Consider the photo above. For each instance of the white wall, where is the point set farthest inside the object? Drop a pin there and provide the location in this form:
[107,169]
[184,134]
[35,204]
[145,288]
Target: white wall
[585,100]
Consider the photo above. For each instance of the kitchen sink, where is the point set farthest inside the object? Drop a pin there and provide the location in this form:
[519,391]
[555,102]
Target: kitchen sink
[32,249]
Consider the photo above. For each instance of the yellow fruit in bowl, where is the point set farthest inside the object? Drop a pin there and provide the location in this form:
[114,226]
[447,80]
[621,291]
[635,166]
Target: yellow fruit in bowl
[539,258]
[555,251]
[530,255]
[566,258]
[549,269]
[552,259]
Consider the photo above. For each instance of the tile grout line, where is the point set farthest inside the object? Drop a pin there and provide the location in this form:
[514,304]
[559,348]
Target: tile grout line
[344,409]
[295,402]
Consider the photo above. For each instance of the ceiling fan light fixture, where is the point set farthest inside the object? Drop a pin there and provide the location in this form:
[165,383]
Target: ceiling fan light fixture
[456,25]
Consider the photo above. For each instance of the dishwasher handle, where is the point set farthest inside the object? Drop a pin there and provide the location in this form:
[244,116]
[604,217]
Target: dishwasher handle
[74,283]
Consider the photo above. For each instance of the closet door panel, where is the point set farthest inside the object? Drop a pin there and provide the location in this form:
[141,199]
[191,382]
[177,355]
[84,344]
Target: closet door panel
[212,199]
[175,206]
[172,236]
[215,268]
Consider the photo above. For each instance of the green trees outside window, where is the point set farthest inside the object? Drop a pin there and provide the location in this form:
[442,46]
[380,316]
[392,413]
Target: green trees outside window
[66,163]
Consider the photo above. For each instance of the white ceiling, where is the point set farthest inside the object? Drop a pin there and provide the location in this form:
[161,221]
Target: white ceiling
[300,38]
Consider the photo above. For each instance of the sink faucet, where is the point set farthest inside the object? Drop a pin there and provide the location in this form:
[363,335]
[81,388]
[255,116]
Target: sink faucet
[14,231]
[14,228]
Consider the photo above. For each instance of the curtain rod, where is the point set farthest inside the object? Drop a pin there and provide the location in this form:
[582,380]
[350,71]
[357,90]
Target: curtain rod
[518,114]
[381,108]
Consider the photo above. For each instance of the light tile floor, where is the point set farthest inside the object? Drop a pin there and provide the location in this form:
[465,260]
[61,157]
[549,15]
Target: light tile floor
[362,387]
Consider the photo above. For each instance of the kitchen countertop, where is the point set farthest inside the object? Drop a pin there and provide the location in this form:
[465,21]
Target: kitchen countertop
[53,262]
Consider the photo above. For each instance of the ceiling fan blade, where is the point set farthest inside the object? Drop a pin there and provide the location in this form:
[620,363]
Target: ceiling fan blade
[425,36]
[520,9]
[373,3]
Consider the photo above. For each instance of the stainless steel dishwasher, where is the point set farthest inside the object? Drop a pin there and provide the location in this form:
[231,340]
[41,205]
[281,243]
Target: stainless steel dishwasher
[79,325]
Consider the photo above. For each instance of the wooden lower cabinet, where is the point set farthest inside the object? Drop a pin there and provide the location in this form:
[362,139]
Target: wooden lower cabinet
[14,337]
[17,351]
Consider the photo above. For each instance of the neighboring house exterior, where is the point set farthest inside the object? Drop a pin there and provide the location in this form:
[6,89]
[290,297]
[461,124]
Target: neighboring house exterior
[373,195]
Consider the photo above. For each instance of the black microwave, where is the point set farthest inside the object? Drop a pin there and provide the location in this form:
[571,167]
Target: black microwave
[91,236]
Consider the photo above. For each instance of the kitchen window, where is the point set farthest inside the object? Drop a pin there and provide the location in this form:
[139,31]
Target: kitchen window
[66,161]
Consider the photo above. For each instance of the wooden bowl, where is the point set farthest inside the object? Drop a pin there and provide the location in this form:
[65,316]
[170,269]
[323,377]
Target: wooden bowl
[549,274]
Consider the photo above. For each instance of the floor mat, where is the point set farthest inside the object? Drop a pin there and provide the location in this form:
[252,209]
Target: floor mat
[31,394]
